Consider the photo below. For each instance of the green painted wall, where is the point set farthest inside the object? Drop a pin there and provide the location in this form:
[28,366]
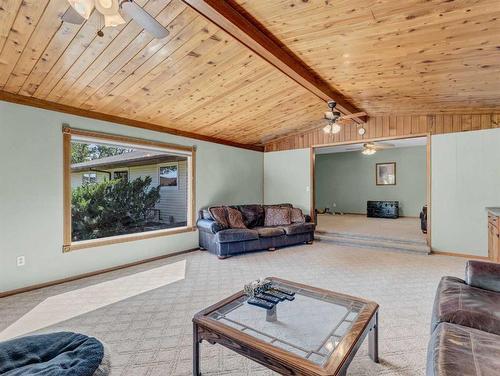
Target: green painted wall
[348,179]
[465,180]
[287,177]
[31,195]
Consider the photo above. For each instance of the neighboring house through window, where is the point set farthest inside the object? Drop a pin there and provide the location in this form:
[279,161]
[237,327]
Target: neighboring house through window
[89,178]
[120,175]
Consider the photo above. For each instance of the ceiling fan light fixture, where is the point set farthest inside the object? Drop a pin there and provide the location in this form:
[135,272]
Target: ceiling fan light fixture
[107,7]
[105,3]
[83,7]
[113,20]
[327,129]
[335,128]
[368,151]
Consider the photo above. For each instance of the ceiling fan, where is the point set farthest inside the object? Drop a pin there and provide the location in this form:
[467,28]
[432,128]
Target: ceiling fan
[335,119]
[371,148]
[111,10]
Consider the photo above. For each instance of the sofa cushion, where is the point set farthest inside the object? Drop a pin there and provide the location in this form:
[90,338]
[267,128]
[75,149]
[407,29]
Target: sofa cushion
[269,232]
[205,214]
[236,235]
[299,228]
[276,216]
[456,350]
[235,218]
[253,215]
[458,303]
[208,225]
[485,275]
[284,205]
[219,214]
[297,216]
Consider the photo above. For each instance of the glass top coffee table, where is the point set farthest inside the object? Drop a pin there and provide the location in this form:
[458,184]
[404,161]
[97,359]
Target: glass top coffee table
[318,333]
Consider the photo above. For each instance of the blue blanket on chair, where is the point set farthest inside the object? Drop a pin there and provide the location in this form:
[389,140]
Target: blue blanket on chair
[55,354]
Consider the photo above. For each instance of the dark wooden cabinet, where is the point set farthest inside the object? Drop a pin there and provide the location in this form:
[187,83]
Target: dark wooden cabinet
[382,209]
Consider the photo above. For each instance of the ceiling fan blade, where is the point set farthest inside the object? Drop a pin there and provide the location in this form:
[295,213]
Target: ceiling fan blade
[352,116]
[144,19]
[73,17]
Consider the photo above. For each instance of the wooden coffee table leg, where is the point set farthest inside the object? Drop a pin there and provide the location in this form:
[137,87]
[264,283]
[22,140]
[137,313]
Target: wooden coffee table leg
[196,351]
[373,339]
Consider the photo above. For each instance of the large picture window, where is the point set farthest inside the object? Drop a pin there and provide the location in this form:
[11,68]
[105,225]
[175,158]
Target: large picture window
[121,189]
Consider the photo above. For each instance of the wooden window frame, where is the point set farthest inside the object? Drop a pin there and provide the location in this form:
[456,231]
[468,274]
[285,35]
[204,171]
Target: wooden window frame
[188,151]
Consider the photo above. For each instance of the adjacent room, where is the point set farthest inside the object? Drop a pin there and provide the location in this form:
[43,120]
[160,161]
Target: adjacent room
[229,188]
[373,194]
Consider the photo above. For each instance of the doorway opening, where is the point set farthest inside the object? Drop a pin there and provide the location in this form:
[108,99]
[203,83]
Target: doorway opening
[374,194]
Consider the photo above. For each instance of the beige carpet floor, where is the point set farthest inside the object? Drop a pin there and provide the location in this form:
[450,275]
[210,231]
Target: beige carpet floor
[401,228]
[150,333]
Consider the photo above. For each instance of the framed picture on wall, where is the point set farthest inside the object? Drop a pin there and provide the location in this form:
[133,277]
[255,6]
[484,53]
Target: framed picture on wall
[385,173]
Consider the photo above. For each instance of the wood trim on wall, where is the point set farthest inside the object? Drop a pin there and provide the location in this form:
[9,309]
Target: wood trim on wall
[66,189]
[192,188]
[85,244]
[57,107]
[190,152]
[91,274]
[125,139]
[429,191]
[312,185]
[388,127]
[455,254]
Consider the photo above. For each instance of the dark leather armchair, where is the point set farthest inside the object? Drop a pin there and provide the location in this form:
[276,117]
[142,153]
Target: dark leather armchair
[484,275]
[466,323]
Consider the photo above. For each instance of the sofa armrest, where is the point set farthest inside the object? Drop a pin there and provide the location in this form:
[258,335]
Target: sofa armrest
[207,225]
[484,275]
[307,217]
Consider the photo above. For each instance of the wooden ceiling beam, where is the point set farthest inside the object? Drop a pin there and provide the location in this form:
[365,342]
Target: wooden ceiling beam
[58,107]
[229,17]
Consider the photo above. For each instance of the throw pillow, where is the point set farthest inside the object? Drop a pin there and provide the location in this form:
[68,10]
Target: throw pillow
[276,216]
[235,218]
[253,215]
[297,216]
[219,214]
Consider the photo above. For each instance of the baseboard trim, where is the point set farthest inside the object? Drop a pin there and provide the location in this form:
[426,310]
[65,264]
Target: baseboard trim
[442,253]
[364,215]
[91,274]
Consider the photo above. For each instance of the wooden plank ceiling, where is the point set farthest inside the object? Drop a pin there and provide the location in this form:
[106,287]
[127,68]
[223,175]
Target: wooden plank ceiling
[406,57]
[198,79]
[387,56]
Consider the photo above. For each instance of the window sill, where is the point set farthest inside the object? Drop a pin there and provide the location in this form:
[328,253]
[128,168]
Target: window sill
[83,244]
